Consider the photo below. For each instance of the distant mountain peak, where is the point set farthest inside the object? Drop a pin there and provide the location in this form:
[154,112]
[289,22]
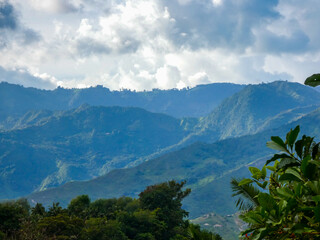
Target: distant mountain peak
[245,111]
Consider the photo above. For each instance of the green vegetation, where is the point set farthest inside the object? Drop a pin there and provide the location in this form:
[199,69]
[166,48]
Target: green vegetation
[46,148]
[155,215]
[313,80]
[206,167]
[79,145]
[49,148]
[286,204]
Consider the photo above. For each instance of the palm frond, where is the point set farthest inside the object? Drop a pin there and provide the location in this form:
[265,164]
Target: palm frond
[247,195]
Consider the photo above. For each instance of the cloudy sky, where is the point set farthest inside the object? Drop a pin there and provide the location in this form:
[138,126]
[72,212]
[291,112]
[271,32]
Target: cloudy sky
[145,44]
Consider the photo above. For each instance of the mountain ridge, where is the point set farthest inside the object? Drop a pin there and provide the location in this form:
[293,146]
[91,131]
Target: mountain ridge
[15,100]
[83,143]
[206,167]
[247,110]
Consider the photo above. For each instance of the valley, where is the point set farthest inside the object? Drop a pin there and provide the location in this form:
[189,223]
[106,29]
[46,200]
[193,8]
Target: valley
[55,153]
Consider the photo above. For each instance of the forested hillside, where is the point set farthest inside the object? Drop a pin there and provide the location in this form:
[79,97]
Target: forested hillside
[118,151]
[207,168]
[47,148]
[16,100]
[258,107]
[81,144]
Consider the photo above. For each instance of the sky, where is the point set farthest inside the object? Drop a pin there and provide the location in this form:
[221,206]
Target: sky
[147,44]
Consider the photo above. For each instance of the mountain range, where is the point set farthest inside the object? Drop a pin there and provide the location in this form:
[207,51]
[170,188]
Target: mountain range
[52,139]
[259,107]
[207,168]
[81,144]
[16,100]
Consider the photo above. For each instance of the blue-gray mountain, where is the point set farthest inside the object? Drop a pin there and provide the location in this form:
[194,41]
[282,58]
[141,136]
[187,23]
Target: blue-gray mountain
[81,144]
[256,108]
[16,100]
[207,168]
[47,148]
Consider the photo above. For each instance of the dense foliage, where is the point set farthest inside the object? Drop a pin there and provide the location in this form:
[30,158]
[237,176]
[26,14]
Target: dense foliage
[286,203]
[157,214]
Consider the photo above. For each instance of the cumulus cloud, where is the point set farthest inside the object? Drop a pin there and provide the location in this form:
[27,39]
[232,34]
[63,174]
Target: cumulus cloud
[168,77]
[224,24]
[8,17]
[56,6]
[145,44]
[126,27]
[11,30]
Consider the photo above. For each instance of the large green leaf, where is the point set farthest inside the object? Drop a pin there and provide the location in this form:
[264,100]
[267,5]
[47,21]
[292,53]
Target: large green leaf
[254,170]
[313,80]
[289,177]
[294,172]
[264,172]
[316,198]
[277,143]
[307,169]
[299,147]
[245,181]
[298,189]
[285,162]
[314,186]
[276,157]
[304,165]
[285,192]
[292,136]
[315,150]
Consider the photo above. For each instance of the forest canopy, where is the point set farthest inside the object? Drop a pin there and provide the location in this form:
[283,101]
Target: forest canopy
[156,214]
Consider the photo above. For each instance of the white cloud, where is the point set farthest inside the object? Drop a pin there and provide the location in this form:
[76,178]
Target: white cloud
[168,77]
[216,2]
[145,44]
[199,78]
[125,28]
[55,6]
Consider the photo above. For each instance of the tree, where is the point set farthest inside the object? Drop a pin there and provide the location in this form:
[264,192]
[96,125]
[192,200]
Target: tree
[142,224]
[11,215]
[61,226]
[38,210]
[102,229]
[55,209]
[79,206]
[156,215]
[288,205]
[167,198]
[109,208]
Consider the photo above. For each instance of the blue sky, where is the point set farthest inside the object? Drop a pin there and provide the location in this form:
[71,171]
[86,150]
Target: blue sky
[145,44]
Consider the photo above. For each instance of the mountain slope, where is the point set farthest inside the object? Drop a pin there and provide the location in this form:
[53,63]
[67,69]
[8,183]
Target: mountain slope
[81,144]
[228,227]
[16,100]
[258,107]
[206,167]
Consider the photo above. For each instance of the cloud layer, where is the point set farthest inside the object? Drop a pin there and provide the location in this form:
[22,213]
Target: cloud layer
[145,44]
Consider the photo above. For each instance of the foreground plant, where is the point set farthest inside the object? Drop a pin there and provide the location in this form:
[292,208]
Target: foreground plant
[284,204]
